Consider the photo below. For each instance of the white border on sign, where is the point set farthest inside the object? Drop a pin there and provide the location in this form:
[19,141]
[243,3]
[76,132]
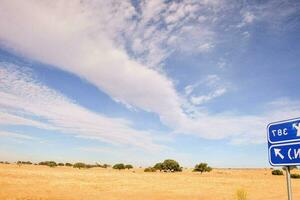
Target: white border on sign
[279,122]
[281,164]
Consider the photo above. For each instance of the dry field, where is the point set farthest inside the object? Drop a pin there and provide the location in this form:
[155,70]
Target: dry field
[66,183]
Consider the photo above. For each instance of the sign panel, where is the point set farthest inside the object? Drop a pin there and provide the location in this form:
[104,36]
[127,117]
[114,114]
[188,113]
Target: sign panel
[284,131]
[284,142]
[285,154]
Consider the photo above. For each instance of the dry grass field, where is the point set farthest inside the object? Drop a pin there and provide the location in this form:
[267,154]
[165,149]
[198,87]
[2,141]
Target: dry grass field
[67,183]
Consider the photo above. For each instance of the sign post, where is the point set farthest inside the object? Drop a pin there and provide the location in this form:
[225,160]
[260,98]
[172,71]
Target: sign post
[284,146]
[288,181]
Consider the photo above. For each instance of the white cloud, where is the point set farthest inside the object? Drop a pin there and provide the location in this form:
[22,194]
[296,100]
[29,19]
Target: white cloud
[198,100]
[87,39]
[24,101]
[10,134]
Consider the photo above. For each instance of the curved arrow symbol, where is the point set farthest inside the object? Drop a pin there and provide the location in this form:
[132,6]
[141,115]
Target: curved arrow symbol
[277,153]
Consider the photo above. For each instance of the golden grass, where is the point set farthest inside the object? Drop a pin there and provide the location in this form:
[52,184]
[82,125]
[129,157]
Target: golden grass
[66,183]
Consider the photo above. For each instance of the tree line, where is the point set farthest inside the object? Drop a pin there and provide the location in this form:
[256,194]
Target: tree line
[167,165]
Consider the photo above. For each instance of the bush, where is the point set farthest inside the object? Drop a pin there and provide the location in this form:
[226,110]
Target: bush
[150,169]
[168,165]
[128,166]
[277,172]
[61,164]
[48,163]
[159,166]
[295,175]
[202,167]
[69,164]
[24,163]
[79,165]
[105,165]
[119,166]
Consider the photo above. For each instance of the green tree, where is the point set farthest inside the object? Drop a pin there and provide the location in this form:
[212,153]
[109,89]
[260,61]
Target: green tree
[79,165]
[119,166]
[61,164]
[159,166]
[202,167]
[171,165]
[68,164]
[128,166]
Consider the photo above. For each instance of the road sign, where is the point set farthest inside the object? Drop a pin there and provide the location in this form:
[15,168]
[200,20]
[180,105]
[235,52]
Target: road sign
[284,131]
[284,146]
[285,154]
[284,142]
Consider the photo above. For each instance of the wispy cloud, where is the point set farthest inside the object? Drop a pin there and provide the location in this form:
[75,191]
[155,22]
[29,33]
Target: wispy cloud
[10,134]
[25,101]
[117,47]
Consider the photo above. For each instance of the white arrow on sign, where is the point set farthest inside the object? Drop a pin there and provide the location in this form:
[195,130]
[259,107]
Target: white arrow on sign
[277,153]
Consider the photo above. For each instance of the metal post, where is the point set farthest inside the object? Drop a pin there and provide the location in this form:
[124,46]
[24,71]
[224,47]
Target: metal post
[288,181]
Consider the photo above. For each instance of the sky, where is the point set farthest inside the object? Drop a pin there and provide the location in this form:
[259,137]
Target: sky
[142,81]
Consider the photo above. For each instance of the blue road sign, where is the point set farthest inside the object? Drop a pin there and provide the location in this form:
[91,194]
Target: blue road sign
[285,154]
[284,142]
[284,131]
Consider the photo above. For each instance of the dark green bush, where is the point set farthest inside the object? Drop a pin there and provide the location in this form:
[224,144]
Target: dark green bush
[277,172]
[61,164]
[128,166]
[202,167]
[295,175]
[79,165]
[69,164]
[150,169]
[159,166]
[119,166]
[24,162]
[48,163]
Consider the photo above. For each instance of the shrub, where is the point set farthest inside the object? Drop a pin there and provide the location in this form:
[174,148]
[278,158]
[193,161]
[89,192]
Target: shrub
[105,165]
[24,162]
[277,172]
[128,166]
[168,165]
[241,194]
[79,165]
[202,167]
[61,164]
[69,164]
[48,163]
[119,166]
[295,175]
[150,169]
[158,166]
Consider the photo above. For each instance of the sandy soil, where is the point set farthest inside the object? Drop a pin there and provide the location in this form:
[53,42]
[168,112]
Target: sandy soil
[66,183]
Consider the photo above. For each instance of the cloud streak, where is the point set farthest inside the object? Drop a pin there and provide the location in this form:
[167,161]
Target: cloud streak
[117,47]
[25,101]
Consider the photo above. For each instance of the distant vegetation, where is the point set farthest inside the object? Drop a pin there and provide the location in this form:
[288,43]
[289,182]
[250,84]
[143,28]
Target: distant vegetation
[24,162]
[295,175]
[202,167]
[168,165]
[48,163]
[128,166]
[119,166]
[150,169]
[4,162]
[277,172]
[69,164]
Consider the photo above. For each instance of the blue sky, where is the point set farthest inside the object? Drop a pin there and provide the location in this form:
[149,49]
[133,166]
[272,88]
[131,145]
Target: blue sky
[139,82]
